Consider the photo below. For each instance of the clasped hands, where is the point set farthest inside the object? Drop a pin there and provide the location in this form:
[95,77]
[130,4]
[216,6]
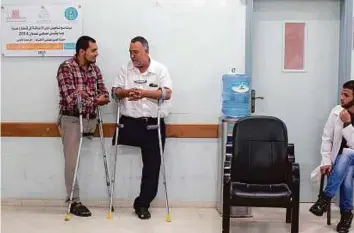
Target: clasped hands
[135,94]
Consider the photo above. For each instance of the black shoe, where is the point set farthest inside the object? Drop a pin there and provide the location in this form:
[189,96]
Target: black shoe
[143,213]
[320,206]
[345,222]
[78,209]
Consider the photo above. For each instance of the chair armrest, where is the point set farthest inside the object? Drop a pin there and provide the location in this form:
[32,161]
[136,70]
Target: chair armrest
[291,152]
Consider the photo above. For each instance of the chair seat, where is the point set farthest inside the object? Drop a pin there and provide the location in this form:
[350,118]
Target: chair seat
[261,191]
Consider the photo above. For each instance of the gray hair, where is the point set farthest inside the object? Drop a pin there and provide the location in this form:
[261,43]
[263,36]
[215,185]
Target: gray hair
[143,41]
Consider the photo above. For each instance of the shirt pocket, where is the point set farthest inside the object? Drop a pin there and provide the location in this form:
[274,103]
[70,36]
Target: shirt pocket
[153,82]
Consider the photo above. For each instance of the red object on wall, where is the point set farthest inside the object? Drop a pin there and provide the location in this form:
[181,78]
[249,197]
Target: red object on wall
[294,48]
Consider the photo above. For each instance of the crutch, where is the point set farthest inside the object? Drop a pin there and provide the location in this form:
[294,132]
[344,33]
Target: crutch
[103,148]
[79,105]
[118,126]
[100,125]
[158,127]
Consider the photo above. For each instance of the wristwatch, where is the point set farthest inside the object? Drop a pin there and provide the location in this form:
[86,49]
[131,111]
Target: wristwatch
[346,124]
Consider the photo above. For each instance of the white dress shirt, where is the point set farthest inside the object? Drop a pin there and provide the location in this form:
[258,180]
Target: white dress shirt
[130,77]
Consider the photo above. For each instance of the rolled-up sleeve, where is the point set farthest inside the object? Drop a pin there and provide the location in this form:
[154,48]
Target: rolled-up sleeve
[165,79]
[120,79]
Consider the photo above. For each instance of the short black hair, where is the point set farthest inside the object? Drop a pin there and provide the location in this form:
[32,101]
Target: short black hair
[83,43]
[142,40]
[349,85]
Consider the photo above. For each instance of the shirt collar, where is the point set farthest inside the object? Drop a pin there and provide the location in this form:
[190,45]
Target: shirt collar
[150,69]
[74,61]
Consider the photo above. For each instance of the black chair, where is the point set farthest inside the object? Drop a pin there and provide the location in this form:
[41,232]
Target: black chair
[263,170]
[329,206]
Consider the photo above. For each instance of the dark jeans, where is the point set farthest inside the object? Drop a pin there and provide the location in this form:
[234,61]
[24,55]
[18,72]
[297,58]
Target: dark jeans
[341,177]
[135,133]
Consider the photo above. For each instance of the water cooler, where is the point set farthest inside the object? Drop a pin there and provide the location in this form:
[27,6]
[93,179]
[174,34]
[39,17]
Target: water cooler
[235,104]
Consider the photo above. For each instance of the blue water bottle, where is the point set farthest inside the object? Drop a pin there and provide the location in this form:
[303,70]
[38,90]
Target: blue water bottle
[236,95]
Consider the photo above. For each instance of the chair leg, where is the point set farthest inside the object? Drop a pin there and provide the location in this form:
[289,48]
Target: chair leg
[288,215]
[226,220]
[295,217]
[329,214]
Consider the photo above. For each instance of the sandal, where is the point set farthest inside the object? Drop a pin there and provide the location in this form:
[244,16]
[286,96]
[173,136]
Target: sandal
[78,209]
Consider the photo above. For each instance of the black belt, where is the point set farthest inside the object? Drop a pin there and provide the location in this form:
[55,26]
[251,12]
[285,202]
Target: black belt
[142,119]
[76,114]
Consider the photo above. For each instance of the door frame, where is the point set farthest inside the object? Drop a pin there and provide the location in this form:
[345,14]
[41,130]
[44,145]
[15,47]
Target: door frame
[345,44]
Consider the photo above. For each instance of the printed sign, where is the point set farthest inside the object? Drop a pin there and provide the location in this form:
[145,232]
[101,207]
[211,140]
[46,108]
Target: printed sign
[40,30]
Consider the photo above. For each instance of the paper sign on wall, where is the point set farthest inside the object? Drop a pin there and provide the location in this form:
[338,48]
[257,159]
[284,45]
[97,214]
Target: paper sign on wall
[49,30]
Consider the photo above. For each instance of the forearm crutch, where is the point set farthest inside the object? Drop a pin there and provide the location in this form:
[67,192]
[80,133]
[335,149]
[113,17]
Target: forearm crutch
[158,127]
[103,148]
[118,126]
[100,126]
[79,105]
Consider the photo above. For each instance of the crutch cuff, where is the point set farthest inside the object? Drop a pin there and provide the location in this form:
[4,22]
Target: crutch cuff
[113,93]
[163,94]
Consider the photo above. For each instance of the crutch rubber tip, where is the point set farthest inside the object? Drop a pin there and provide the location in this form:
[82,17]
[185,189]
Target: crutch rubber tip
[110,216]
[168,218]
[112,209]
[67,217]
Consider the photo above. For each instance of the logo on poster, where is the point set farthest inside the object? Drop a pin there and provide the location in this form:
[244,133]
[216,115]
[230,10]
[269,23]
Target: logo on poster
[43,16]
[71,13]
[14,15]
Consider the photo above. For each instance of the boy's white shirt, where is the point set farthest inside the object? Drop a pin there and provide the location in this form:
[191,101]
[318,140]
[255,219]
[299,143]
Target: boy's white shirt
[332,140]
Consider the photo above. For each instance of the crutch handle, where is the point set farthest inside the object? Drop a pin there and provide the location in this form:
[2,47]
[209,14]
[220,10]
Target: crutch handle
[113,94]
[79,103]
[120,126]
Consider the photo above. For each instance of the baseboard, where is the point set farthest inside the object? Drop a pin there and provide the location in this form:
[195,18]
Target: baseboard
[100,203]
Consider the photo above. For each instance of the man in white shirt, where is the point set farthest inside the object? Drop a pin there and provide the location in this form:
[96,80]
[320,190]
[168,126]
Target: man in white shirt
[139,85]
[338,159]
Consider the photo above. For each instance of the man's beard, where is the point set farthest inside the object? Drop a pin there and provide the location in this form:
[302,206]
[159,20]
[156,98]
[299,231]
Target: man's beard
[138,64]
[348,105]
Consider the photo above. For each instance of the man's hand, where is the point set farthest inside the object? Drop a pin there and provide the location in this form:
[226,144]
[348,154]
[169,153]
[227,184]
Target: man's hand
[102,100]
[345,116]
[326,169]
[135,94]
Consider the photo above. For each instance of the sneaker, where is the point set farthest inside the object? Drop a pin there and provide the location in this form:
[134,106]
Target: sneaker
[78,209]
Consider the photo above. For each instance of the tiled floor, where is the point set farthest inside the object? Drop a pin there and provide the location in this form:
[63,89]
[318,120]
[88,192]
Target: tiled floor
[51,220]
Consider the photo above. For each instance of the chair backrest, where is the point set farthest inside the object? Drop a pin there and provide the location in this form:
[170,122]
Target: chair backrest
[260,151]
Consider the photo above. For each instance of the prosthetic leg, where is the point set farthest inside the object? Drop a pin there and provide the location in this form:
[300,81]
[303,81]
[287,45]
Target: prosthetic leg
[158,127]
[79,104]
[118,126]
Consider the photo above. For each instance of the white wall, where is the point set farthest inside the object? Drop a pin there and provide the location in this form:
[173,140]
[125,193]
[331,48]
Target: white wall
[197,40]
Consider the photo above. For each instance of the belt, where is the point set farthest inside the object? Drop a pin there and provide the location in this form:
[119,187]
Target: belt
[76,114]
[142,119]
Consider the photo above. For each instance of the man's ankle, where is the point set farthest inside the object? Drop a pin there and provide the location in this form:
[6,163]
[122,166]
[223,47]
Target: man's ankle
[325,196]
